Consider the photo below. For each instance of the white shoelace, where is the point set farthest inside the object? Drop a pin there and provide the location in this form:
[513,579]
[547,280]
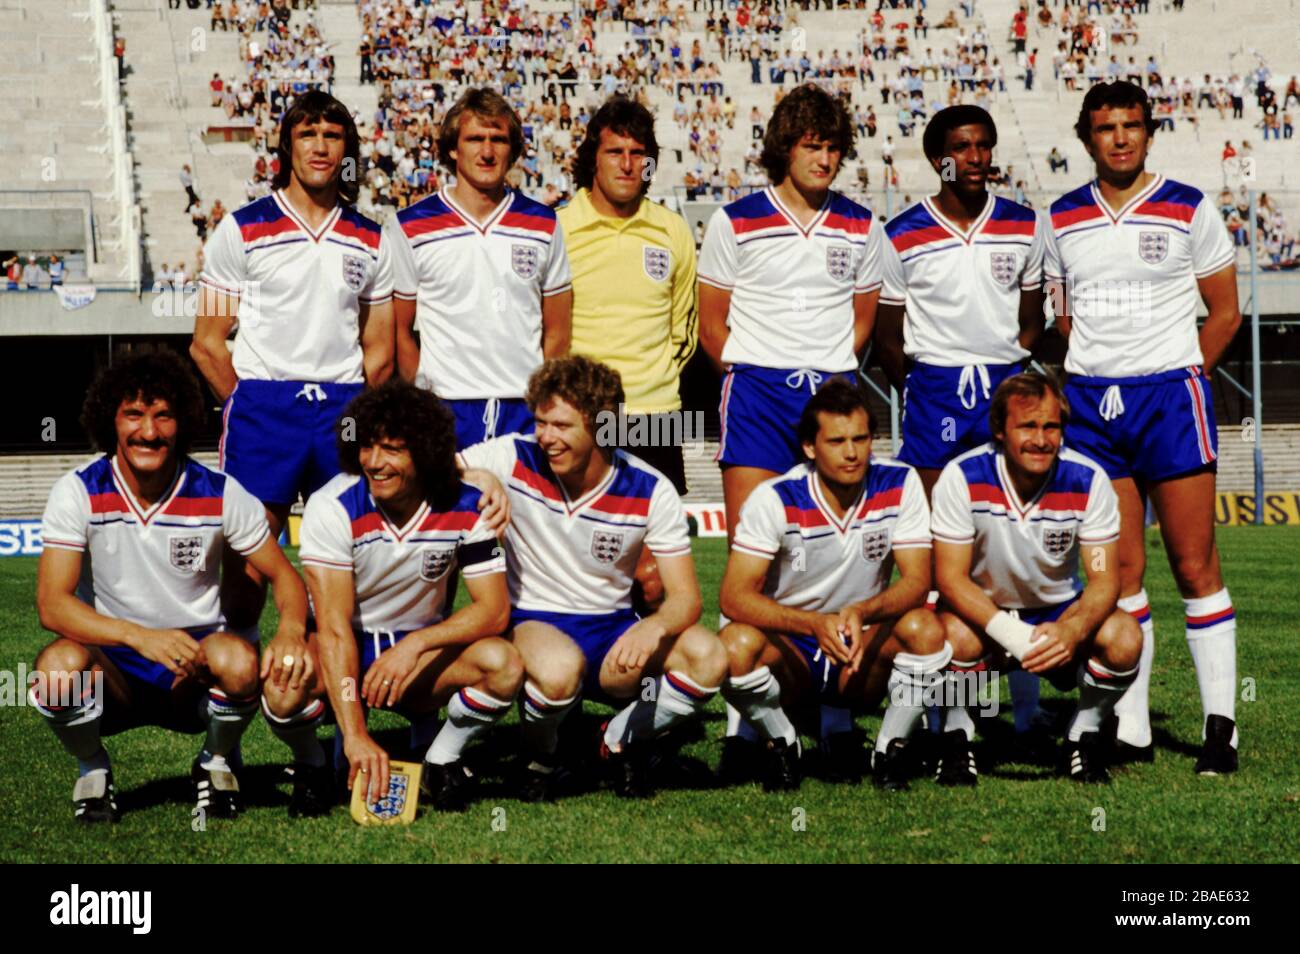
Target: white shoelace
[490,413]
[312,392]
[966,382]
[1112,404]
[797,379]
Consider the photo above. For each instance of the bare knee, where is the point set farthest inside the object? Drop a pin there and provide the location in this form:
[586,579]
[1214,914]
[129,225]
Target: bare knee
[920,632]
[1197,574]
[557,672]
[706,659]
[744,646]
[966,645]
[63,656]
[501,665]
[233,663]
[1119,642]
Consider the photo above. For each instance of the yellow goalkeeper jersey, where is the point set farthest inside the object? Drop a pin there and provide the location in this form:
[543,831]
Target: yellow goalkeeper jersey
[633,296]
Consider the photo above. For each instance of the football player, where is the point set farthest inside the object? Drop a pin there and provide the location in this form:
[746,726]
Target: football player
[580,516]
[1133,254]
[308,279]
[789,279]
[1012,522]
[481,276]
[961,308]
[379,544]
[129,584]
[808,592]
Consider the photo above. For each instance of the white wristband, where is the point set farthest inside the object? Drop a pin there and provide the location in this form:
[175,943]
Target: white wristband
[1010,633]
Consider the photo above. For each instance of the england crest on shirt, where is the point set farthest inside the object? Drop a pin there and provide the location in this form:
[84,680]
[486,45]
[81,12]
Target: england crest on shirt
[657,262]
[1003,266]
[434,562]
[186,553]
[839,261]
[1057,541]
[524,259]
[606,545]
[354,272]
[875,545]
[1153,247]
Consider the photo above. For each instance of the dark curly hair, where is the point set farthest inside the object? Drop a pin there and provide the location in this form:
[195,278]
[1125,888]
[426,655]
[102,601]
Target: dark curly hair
[1118,95]
[838,397]
[310,108]
[398,410]
[623,116]
[808,109]
[160,375]
[588,385]
[486,104]
[935,138]
[1027,384]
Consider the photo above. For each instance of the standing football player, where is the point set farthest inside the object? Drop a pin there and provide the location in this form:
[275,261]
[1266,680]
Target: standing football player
[308,280]
[789,279]
[580,516]
[380,543]
[808,591]
[1012,521]
[481,276]
[1134,254]
[129,584]
[961,307]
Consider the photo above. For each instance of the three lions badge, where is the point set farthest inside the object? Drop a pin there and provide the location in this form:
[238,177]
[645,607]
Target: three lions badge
[1057,541]
[1003,266]
[839,261]
[524,260]
[186,553]
[875,545]
[434,562]
[606,545]
[354,272]
[658,262]
[1153,247]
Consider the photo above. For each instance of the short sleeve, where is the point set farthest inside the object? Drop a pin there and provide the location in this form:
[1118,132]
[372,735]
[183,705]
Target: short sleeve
[1101,517]
[1031,276]
[325,537]
[760,530]
[868,277]
[913,527]
[406,283]
[480,553]
[666,533]
[223,259]
[1053,267]
[718,259]
[496,456]
[950,518]
[67,514]
[893,287]
[243,518]
[380,288]
[558,278]
[1211,248]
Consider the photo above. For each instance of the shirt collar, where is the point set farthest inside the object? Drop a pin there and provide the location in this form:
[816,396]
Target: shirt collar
[584,214]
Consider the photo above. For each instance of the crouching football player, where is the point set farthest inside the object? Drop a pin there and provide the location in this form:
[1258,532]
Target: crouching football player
[1011,522]
[129,582]
[580,516]
[379,543]
[807,590]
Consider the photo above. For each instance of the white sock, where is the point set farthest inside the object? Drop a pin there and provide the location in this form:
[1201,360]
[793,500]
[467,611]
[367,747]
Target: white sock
[757,699]
[1024,697]
[469,713]
[1212,638]
[961,689]
[677,698]
[542,718]
[1099,690]
[77,727]
[835,720]
[1133,708]
[227,717]
[931,600]
[298,731]
[911,685]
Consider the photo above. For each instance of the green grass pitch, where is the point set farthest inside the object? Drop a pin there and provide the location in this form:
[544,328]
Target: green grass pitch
[1019,813]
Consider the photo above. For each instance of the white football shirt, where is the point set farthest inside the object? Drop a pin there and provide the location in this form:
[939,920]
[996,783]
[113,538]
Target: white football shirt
[823,563]
[158,567]
[791,287]
[300,291]
[399,574]
[1131,278]
[961,289]
[478,291]
[1025,555]
[579,556]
